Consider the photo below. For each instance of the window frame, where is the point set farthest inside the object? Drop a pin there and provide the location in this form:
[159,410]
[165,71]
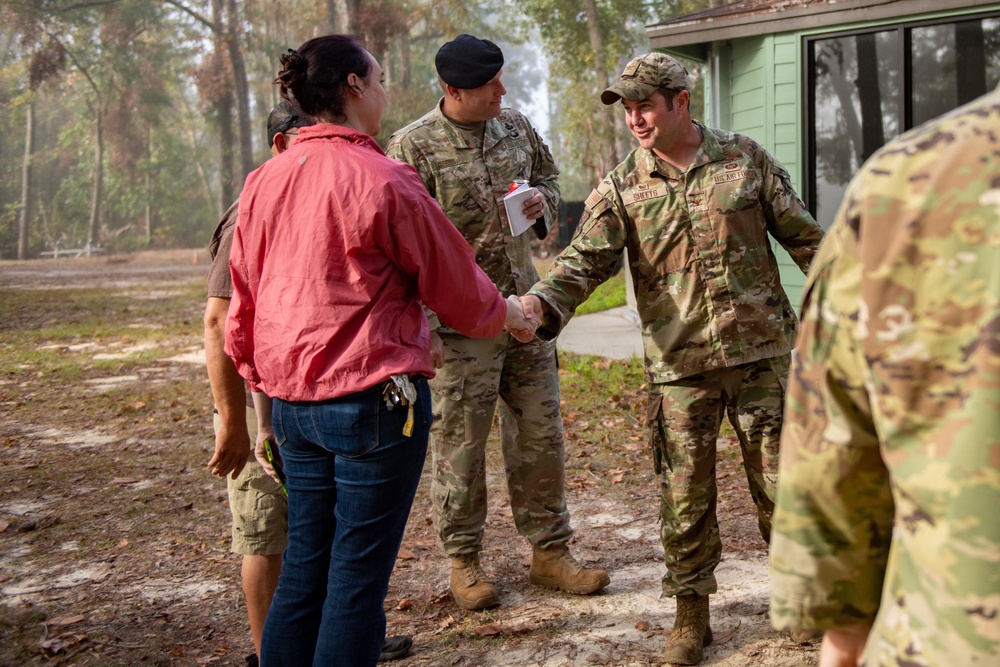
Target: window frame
[904,106]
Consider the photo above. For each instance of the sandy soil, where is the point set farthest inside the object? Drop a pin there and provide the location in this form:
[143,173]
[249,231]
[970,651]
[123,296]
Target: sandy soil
[114,539]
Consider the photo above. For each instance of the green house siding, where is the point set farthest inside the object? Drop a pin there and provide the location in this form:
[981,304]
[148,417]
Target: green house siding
[754,64]
[764,103]
[747,89]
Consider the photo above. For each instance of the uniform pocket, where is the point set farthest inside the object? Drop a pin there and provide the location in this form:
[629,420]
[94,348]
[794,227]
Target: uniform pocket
[448,391]
[654,413]
[449,386]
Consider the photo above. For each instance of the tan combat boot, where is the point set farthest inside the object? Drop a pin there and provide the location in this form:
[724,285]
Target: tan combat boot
[805,636]
[691,631]
[469,585]
[556,568]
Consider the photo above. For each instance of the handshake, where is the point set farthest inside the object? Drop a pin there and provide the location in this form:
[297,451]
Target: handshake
[524,315]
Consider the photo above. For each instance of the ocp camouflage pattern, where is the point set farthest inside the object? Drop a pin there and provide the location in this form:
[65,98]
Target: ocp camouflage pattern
[469,177]
[644,75]
[525,377]
[685,417]
[707,284]
[889,502]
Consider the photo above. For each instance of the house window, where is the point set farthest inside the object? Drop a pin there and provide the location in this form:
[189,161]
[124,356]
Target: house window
[866,87]
[952,64]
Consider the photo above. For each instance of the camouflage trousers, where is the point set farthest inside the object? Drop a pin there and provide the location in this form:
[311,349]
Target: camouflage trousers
[525,377]
[685,417]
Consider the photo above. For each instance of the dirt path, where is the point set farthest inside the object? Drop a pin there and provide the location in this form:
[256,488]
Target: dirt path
[114,539]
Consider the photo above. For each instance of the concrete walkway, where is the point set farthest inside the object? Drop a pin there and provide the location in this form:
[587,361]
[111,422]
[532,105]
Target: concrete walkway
[611,333]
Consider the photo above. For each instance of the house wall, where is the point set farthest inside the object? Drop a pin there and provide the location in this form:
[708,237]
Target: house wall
[764,101]
[755,88]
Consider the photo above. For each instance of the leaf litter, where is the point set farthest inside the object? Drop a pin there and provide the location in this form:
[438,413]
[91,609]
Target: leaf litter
[128,562]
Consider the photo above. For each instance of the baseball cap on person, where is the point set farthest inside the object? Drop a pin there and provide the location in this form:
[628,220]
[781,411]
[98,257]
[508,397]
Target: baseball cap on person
[284,117]
[468,62]
[644,75]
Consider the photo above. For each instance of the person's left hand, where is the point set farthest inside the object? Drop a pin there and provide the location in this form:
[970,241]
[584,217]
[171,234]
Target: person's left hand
[261,454]
[534,206]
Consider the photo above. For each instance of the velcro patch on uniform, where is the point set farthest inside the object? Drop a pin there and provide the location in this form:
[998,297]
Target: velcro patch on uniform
[697,201]
[644,191]
[600,207]
[730,176]
[592,199]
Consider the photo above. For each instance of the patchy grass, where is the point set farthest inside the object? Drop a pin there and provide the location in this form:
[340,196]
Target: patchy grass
[69,313]
[79,334]
[151,510]
[109,479]
[604,411]
[610,294]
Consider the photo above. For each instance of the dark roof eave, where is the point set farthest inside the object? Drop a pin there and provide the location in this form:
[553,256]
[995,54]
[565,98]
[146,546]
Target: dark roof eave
[769,21]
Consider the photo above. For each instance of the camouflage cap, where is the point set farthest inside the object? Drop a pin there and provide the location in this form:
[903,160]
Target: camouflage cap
[646,74]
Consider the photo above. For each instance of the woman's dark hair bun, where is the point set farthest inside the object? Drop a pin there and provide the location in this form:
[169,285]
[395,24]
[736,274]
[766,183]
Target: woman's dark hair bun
[316,73]
[293,69]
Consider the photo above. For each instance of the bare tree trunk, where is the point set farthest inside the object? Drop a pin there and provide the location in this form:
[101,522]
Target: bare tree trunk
[226,50]
[608,147]
[227,185]
[839,68]
[197,152]
[97,191]
[223,117]
[241,90]
[353,14]
[149,185]
[970,60]
[869,96]
[338,16]
[405,62]
[25,215]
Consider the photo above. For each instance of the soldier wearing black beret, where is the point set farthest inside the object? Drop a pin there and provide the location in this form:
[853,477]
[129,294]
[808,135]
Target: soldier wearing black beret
[468,62]
[468,151]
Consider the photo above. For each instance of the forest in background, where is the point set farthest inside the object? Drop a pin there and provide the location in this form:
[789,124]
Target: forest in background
[132,124]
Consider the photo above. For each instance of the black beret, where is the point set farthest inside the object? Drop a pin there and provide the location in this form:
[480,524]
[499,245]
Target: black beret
[468,62]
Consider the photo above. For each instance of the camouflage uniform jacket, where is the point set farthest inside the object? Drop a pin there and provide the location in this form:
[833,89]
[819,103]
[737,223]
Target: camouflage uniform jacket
[889,503]
[469,178]
[706,280]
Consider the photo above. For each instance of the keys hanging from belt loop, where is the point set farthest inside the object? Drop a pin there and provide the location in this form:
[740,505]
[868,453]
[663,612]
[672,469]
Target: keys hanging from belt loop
[390,393]
[401,390]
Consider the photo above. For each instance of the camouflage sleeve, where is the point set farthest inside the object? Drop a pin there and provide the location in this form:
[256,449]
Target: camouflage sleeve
[544,176]
[588,261]
[833,515]
[402,150]
[396,150]
[788,219]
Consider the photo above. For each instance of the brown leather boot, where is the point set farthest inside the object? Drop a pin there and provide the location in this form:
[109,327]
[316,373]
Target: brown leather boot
[691,633]
[556,568]
[469,585]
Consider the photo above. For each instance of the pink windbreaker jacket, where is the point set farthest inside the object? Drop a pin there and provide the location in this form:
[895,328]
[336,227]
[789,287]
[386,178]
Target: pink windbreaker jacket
[335,248]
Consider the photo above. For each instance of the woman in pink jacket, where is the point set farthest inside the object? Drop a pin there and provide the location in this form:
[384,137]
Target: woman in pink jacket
[335,251]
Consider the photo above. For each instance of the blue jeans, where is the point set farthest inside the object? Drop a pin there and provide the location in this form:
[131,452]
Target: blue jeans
[351,477]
